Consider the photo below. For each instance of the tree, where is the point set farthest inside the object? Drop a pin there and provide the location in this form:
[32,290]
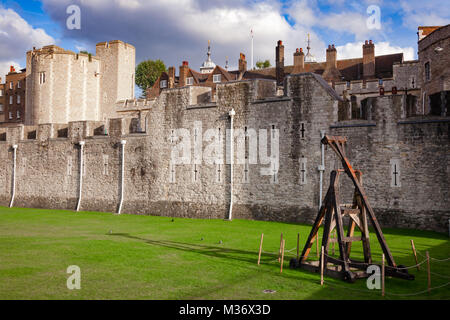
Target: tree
[263,64]
[147,72]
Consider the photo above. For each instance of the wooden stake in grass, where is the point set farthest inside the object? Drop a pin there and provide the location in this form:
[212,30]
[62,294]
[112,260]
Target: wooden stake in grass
[382,275]
[298,246]
[321,267]
[415,254]
[260,248]
[428,271]
[282,256]
[281,244]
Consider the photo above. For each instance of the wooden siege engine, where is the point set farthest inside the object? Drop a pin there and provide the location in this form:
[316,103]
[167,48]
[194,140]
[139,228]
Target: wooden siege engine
[331,214]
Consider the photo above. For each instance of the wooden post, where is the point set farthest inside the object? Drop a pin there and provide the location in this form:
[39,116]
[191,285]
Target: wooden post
[334,238]
[317,243]
[281,245]
[298,246]
[415,254]
[321,267]
[428,271]
[260,248]
[382,275]
[282,256]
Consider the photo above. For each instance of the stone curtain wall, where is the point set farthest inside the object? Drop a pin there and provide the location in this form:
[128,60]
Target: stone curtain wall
[48,167]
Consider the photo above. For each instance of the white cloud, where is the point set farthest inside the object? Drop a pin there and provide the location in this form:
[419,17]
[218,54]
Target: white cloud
[424,13]
[354,50]
[16,37]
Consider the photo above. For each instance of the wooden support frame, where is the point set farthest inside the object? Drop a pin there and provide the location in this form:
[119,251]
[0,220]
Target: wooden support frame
[331,216]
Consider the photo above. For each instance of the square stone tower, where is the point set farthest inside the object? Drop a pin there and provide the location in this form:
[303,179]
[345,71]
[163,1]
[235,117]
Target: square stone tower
[117,74]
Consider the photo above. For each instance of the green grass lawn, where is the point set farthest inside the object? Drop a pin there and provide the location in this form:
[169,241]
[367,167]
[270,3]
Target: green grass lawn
[145,257]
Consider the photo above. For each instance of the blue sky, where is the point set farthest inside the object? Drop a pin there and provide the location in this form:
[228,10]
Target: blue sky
[177,30]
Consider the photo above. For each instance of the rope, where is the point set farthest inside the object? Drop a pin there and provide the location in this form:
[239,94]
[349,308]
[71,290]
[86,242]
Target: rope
[431,258]
[417,293]
[388,293]
[375,262]
[439,275]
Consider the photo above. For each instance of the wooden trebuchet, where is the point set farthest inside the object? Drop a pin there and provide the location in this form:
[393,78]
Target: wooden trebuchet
[331,214]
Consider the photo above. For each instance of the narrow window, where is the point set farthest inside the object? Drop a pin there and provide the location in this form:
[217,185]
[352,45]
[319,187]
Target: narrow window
[105,164]
[195,173]
[395,173]
[274,179]
[1,92]
[272,130]
[11,85]
[24,165]
[10,115]
[18,114]
[41,77]
[163,84]
[302,130]
[69,166]
[172,172]
[18,84]
[427,72]
[1,107]
[172,136]
[10,99]
[246,172]
[380,82]
[189,81]
[18,99]
[218,173]
[303,162]
[413,82]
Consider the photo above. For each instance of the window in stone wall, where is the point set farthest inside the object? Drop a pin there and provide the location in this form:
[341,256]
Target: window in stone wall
[246,172]
[41,77]
[303,130]
[163,84]
[427,71]
[172,173]
[24,165]
[303,162]
[412,82]
[395,173]
[195,173]
[219,173]
[105,164]
[189,81]
[272,130]
[172,136]
[69,166]
[274,177]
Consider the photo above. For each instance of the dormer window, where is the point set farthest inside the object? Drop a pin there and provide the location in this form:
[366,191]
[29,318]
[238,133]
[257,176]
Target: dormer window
[163,84]
[190,81]
[217,78]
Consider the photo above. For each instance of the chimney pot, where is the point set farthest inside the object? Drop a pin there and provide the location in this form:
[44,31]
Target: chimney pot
[370,42]
[280,43]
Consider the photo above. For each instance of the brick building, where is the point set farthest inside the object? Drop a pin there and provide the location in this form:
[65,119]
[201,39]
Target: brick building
[15,86]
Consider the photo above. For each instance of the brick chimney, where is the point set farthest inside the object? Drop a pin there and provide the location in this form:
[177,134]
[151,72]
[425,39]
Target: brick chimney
[242,63]
[184,69]
[368,60]
[171,73]
[331,72]
[279,63]
[299,60]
